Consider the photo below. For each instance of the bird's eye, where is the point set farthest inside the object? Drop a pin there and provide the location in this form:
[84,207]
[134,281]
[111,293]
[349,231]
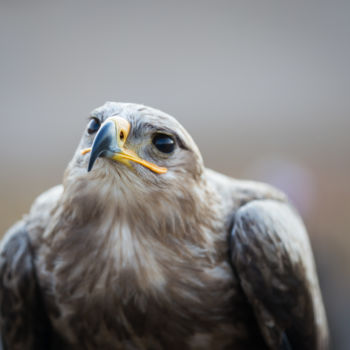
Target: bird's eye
[94,125]
[164,143]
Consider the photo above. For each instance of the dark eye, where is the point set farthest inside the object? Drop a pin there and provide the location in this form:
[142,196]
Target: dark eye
[164,143]
[93,126]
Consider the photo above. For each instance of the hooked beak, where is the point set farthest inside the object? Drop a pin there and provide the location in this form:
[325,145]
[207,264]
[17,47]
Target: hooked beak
[110,143]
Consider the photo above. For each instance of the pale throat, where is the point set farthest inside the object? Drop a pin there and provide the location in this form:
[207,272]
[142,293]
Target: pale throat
[107,199]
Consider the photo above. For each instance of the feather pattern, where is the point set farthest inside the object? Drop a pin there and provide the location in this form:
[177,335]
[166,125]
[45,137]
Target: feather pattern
[272,257]
[122,258]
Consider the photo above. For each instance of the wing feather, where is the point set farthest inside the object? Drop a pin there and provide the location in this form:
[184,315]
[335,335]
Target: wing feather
[23,320]
[272,257]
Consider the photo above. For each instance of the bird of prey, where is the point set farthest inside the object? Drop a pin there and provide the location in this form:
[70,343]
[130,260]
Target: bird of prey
[142,247]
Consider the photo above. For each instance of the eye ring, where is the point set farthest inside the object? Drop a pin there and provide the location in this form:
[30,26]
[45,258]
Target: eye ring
[164,143]
[93,125]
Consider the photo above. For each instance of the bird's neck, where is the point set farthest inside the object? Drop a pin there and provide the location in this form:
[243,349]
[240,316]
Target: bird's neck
[183,213]
[141,237]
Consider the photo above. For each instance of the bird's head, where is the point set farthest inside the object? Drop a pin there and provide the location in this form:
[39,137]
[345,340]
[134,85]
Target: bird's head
[135,149]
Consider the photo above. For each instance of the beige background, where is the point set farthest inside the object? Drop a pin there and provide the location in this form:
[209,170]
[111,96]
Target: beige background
[263,87]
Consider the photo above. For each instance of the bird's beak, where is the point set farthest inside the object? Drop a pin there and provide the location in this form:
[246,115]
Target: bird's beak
[110,143]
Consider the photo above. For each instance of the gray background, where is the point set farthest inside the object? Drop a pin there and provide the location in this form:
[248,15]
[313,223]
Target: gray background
[262,86]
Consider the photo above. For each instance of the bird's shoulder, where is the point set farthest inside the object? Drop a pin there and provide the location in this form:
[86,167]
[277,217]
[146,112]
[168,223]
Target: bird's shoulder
[35,222]
[235,193]
[271,256]
[41,212]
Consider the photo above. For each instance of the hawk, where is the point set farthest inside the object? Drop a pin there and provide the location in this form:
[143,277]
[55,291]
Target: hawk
[142,247]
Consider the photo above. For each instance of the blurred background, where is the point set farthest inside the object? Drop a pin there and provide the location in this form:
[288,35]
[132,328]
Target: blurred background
[270,79]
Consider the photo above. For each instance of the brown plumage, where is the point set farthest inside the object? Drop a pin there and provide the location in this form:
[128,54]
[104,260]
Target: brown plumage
[157,252]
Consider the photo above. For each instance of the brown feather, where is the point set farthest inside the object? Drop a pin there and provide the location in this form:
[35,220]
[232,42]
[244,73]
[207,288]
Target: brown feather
[128,259]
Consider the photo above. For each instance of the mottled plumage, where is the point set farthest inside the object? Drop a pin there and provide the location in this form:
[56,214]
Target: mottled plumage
[132,256]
